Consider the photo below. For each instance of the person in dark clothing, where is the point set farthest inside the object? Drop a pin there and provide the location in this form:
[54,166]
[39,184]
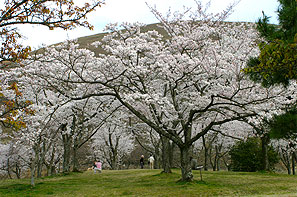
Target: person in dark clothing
[141,161]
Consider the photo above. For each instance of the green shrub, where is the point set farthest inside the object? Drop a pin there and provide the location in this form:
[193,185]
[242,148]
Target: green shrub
[247,156]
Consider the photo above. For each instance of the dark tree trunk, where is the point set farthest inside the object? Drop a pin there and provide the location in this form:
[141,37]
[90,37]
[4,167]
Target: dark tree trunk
[166,155]
[39,168]
[227,164]
[214,162]
[32,173]
[205,154]
[157,158]
[114,161]
[186,168]
[289,170]
[53,170]
[8,168]
[51,164]
[293,163]
[67,141]
[218,158]
[265,160]
[33,165]
[75,167]
[288,164]
[172,147]
[284,156]
[17,171]
[113,151]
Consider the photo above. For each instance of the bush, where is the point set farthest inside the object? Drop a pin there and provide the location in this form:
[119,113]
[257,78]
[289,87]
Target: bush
[247,156]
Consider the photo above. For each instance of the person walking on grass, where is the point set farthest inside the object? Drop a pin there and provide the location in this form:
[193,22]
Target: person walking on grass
[151,161]
[141,161]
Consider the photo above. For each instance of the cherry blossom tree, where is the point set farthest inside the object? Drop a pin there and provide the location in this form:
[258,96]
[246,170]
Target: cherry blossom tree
[38,137]
[149,140]
[287,152]
[113,142]
[222,139]
[182,81]
[87,118]
[77,121]
[12,103]
[183,84]
[53,14]
[66,14]
[274,106]
[13,160]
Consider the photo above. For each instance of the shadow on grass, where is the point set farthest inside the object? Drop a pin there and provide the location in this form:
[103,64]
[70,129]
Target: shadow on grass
[194,182]
[15,188]
[65,174]
[163,174]
[174,175]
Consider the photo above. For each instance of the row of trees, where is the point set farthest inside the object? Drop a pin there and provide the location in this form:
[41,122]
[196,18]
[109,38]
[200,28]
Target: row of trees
[178,89]
[52,14]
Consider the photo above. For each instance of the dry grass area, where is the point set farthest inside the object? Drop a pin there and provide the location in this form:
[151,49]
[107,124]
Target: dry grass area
[153,183]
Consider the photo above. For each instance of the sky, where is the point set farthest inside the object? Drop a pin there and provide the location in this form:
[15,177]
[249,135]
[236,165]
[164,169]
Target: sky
[137,11]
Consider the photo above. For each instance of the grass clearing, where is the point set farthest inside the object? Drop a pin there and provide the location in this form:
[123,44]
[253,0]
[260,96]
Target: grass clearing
[139,182]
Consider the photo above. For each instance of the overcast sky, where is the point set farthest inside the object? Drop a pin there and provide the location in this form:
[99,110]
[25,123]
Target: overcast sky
[137,11]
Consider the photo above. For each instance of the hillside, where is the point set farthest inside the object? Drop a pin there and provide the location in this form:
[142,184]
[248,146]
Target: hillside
[86,41]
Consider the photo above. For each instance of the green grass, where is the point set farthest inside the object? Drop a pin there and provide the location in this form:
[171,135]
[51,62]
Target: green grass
[154,183]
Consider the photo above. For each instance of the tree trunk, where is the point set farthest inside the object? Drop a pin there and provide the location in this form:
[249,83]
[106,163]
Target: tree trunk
[288,164]
[293,163]
[32,173]
[186,164]
[39,168]
[213,163]
[218,164]
[51,163]
[166,155]
[219,156]
[171,153]
[289,170]
[75,160]
[67,153]
[33,167]
[17,171]
[226,164]
[157,158]
[205,154]
[284,156]
[114,161]
[8,169]
[59,167]
[66,160]
[265,140]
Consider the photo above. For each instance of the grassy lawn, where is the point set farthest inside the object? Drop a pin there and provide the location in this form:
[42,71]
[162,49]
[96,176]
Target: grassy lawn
[152,183]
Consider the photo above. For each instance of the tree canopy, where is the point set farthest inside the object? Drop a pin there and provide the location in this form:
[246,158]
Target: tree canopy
[277,62]
[66,14]
[284,126]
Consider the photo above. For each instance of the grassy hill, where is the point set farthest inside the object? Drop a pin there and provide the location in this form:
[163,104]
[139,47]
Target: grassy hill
[86,41]
[152,183]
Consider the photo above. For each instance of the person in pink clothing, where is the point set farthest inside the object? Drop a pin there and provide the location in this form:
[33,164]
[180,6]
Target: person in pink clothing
[97,166]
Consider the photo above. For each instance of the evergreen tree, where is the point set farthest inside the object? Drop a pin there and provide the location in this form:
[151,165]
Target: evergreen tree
[285,125]
[277,62]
